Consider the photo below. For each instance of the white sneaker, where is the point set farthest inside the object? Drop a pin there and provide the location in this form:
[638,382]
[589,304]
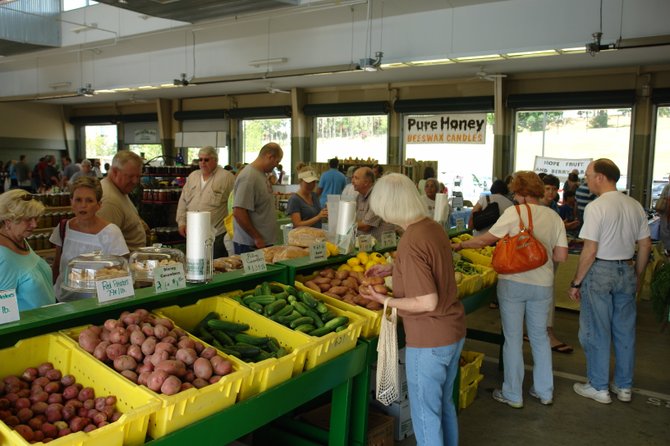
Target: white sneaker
[623,395]
[587,391]
[498,396]
[545,402]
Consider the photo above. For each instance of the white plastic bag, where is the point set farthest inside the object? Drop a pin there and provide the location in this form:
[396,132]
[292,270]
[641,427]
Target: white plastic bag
[388,385]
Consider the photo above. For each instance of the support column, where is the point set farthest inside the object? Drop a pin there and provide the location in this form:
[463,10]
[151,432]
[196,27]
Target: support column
[301,132]
[640,169]
[502,130]
[395,148]
[166,135]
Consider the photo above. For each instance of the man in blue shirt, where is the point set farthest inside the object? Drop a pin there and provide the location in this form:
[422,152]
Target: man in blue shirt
[332,182]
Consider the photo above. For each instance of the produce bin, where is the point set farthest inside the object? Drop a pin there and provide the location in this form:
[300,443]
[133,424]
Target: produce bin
[326,347]
[264,374]
[470,370]
[181,409]
[136,404]
[468,393]
[489,275]
[470,284]
[373,319]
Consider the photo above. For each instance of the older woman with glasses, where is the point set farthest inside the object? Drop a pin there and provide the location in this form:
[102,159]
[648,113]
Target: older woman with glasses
[22,270]
[207,190]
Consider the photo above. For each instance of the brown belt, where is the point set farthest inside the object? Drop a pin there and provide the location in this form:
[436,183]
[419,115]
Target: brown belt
[620,262]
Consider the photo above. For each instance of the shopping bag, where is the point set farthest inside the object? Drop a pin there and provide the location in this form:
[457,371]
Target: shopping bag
[388,384]
[519,253]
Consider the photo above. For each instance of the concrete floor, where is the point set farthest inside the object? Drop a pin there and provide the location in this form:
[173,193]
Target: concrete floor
[572,420]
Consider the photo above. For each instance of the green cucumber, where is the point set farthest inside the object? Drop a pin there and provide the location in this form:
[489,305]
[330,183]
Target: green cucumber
[250,339]
[305,328]
[264,299]
[203,322]
[301,321]
[218,324]
[274,307]
[320,331]
[258,308]
[284,311]
[222,337]
[291,290]
[337,322]
[308,299]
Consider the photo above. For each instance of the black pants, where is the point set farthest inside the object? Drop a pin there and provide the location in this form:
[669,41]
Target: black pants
[219,248]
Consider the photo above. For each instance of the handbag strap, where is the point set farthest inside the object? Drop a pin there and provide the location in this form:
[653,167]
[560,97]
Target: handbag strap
[522,228]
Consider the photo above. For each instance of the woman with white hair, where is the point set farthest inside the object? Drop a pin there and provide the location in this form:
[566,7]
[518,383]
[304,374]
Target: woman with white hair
[23,271]
[425,296]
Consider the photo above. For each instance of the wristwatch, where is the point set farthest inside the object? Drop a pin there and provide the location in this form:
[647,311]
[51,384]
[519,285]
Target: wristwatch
[575,285]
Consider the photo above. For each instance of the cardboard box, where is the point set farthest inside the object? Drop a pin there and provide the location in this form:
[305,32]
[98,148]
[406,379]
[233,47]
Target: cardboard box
[403,419]
[380,426]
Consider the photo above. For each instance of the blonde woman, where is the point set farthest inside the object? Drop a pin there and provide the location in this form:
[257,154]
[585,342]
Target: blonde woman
[22,270]
[84,233]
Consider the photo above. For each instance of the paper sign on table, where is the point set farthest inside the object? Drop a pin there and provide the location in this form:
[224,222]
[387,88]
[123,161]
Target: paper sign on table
[365,243]
[460,224]
[112,289]
[169,277]
[9,306]
[317,251]
[388,239]
[254,262]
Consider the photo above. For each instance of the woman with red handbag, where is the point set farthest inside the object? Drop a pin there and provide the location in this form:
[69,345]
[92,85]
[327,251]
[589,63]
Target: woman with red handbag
[525,285]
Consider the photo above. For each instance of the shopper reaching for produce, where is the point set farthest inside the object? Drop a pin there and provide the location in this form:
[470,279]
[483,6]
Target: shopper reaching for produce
[22,270]
[425,295]
[304,206]
[528,294]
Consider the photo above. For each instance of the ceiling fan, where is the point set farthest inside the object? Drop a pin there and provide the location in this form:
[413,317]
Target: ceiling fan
[370,64]
[485,76]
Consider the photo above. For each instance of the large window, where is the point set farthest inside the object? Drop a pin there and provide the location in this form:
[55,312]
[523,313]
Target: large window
[69,5]
[147,151]
[464,167]
[574,134]
[352,137]
[258,132]
[661,169]
[192,155]
[101,142]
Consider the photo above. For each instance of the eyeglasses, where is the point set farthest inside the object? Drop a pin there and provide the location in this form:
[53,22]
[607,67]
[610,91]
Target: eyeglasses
[203,160]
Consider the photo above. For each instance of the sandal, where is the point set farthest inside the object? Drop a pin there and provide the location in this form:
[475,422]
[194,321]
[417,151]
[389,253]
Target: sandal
[494,304]
[562,348]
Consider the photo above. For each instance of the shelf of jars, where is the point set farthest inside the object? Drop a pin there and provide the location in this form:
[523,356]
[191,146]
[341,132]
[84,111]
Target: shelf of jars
[167,171]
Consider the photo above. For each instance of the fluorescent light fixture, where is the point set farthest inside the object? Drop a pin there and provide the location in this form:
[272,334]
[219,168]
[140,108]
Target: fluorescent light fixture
[522,54]
[167,86]
[104,91]
[83,28]
[262,62]
[574,50]
[478,58]
[419,63]
[147,87]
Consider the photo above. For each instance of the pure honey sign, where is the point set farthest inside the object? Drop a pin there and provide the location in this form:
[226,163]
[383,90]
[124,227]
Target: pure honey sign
[446,129]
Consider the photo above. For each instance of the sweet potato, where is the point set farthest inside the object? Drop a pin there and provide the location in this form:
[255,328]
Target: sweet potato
[171,385]
[311,285]
[335,282]
[324,286]
[320,280]
[333,295]
[202,368]
[341,275]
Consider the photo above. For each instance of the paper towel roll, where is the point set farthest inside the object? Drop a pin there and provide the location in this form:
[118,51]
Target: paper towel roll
[199,242]
[346,217]
[441,207]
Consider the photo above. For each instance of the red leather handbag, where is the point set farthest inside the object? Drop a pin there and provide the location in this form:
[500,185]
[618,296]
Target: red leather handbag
[519,253]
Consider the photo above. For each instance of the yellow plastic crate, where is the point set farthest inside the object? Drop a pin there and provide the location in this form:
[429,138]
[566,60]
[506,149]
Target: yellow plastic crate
[326,347]
[182,409]
[470,371]
[373,319]
[489,275]
[467,394]
[136,404]
[469,285]
[264,374]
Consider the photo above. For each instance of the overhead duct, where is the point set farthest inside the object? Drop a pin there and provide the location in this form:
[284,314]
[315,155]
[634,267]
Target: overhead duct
[29,26]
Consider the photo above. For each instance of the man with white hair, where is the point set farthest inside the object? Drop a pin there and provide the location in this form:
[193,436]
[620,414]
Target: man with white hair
[84,171]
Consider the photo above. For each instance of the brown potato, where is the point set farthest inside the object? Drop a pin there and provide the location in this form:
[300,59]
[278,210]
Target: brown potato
[333,295]
[374,306]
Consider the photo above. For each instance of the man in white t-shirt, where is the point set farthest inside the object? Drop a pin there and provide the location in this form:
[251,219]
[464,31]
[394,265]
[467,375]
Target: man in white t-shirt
[606,282]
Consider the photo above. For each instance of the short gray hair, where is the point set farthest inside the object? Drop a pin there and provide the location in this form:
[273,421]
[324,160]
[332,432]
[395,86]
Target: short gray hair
[210,152]
[395,199]
[15,206]
[124,156]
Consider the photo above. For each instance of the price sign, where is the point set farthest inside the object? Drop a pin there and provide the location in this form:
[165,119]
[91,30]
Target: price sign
[365,243]
[112,289]
[169,277]
[254,262]
[388,239]
[317,251]
[9,306]
[460,224]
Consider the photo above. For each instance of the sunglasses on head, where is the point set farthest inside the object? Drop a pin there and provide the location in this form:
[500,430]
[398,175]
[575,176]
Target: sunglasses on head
[203,160]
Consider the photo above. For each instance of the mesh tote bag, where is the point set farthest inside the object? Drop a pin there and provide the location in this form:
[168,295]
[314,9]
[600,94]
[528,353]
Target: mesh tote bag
[519,253]
[388,385]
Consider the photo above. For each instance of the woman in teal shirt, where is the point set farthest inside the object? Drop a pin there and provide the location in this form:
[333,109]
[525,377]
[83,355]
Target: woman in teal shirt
[22,270]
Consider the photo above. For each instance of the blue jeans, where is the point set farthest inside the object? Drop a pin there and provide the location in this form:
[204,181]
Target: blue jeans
[517,300]
[607,315]
[241,249]
[430,383]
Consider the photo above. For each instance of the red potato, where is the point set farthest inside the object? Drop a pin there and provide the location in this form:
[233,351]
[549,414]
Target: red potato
[190,376]
[130,374]
[125,362]
[4,403]
[29,374]
[173,367]
[43,368]
[53,412]
[39,396]
[49,430]
[208,353]
[170,339]
[41,381]
[171,385]
[64,432]
[12,397]
[52,387]
[202,368]
[35,423]
[199,347]
[110,400]
[55,398]
[100,403]
[111,324]
[167,347]
[11,379]
[130,319]
[135,352]
[186,386]
[186,342]
[156,379]
[39,407]
[12,421]
[100,351]
[88,340]
[221,366]
[215,379]
[160,331]
[22,403]
[137,337]
[116,416]
[69,412]
[199,383]
[78,423]
[90,427]
[142,313]
[74,403]
[143,378]
[86,393]
[25,431]
[178,333]
[99,418]
[113,351]
[24,414]
[164,322]
[119,336]
[149,345]
[148,367]
[147,329]
[70,392]
[159,357]
[186,355]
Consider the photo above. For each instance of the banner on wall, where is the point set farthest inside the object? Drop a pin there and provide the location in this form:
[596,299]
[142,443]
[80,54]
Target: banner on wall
[561,167]
[449,128]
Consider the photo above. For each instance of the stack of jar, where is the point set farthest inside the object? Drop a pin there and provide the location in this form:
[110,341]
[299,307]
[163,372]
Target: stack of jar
[168,170]
[161,195]
[39,241]
[51,219]
[54,200]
